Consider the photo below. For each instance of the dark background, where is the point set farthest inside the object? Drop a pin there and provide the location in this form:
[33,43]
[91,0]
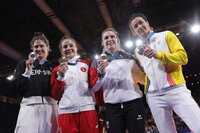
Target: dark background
[84,20]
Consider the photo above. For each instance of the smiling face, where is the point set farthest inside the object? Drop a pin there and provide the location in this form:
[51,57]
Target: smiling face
[68,48]
[41,49]
[140,27]
[110,41]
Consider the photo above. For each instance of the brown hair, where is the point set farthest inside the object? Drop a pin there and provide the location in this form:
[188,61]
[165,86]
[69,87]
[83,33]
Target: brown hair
[39,36]
[133,16]
[63,38]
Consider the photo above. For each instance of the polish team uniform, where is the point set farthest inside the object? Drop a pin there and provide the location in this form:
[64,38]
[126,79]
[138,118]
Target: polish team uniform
[123,98]
[76,99]
[166,90]
[38,111]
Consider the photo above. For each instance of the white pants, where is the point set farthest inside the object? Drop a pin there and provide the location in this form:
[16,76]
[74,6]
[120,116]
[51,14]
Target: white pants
[181,102]
[37,118]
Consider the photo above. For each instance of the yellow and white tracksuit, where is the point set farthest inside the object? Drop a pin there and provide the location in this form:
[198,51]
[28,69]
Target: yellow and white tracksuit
[165,85]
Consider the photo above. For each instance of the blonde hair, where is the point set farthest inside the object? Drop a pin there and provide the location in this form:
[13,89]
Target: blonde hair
[64,38]
[117,36]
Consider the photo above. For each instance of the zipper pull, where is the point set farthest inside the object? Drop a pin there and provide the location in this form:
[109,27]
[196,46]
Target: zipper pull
[122,105]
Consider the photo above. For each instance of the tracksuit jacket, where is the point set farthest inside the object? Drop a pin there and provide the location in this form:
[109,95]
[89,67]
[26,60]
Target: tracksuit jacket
[118,83]
[74,89]
[34,88]
[165,71]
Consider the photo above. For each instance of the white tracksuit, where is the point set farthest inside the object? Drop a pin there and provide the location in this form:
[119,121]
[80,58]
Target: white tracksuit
[165,85]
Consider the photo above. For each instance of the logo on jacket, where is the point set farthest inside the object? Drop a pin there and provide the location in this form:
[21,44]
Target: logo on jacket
[139,117]
[83,69]
[41,72]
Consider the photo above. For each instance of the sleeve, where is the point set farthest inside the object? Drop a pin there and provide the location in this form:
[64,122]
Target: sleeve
[27,73]
[178,54]
[57,86]
[19,82]
[93,78]
[137,73]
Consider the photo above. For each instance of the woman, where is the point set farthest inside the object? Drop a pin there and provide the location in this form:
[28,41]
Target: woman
[70,85]
[38,112]
[117,76]
[162,58]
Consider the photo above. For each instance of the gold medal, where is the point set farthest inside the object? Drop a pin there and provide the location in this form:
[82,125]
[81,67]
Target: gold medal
[103,57]
[63,59]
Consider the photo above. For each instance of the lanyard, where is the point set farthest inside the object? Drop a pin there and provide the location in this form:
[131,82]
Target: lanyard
[42,62]
[148,37]
[114,56]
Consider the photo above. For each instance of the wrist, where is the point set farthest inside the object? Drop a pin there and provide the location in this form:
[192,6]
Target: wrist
[27,73]
[60,77]
[101,75]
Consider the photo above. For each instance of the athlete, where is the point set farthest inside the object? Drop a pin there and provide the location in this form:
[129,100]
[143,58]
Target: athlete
[38,112]
[123,98]
[161,56]
[71,85]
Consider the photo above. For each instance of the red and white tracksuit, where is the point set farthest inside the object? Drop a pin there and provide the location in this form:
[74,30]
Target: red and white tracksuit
[76,99]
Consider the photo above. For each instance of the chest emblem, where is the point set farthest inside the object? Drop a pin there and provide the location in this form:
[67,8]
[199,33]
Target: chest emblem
[83,69]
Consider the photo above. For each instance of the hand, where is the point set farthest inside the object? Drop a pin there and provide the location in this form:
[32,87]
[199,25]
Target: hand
[62,69]
[101,116]
[102,121]
[101,67]
[29,64]
[148,52]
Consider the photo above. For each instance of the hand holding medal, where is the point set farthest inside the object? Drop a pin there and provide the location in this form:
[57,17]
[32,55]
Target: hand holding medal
[103,63]
[63,66]
[31,58]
